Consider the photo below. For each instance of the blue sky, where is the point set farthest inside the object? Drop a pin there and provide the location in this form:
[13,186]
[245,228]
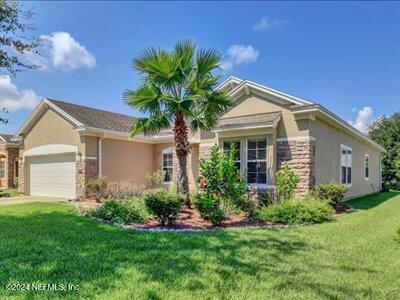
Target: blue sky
[343,55]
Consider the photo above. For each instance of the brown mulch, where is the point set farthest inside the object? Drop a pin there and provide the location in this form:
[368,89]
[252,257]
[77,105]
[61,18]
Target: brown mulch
[190,219]
[342,208]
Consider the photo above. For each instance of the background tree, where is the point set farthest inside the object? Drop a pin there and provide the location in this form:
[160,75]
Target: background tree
[386,132]
[14,39]
[178,90]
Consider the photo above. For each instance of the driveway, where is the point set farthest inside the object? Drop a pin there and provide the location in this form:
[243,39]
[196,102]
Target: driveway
[30,199]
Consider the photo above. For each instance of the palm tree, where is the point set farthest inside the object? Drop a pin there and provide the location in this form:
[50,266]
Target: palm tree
[178,90]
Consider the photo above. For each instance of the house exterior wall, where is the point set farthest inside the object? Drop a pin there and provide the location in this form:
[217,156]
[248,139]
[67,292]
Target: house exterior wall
[328,159]
[50,128]
[254,104]
[126,160]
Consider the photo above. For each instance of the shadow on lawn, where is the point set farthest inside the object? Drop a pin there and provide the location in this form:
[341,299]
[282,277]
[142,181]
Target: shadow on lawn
[60,247]
[372,201]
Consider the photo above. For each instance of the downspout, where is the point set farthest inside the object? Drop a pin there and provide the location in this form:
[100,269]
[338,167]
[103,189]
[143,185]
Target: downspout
[101,155]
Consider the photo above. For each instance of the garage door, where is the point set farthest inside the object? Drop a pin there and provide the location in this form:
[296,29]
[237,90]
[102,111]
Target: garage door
[52,175]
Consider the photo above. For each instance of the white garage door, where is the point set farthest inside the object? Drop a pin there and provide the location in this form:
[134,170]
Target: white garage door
[52,175]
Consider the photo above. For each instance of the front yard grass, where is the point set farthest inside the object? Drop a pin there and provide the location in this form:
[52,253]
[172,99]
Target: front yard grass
[356,256]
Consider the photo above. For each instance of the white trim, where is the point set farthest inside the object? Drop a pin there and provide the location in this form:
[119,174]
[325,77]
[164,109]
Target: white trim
[347,148]
[267,90]
[45,103]
[297,138]
[89,157]
[366,155]
[3,139]
[243,128]
[169,150]
[51,149]
[259,185]
[231,79]
[343,124]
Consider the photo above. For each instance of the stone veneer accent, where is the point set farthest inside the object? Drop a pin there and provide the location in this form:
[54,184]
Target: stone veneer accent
[205,151]
[21,175]
[86,168]
[12,155]
[300,155]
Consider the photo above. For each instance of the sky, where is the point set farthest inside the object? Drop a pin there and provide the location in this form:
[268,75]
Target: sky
[342,55]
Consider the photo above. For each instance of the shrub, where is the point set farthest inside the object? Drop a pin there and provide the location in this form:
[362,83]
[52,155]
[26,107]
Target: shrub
[164,204]
[331,192]
[123,189]
[97,188]
[128,211]
[220,179]
[398,235]
[306,211]
[286,183]
[156,179]
[206,204]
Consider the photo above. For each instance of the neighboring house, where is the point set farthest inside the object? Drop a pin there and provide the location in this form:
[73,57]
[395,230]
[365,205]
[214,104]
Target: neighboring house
[8,161]
[63,145]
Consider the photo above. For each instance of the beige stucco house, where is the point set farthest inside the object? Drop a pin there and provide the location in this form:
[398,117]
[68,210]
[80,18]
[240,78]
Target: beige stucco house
[63,145]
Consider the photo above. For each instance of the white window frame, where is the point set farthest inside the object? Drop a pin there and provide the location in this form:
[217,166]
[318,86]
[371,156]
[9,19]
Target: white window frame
[347,165]
[259,185]
[366,157]
[3,160]
[169,151]
[240,150]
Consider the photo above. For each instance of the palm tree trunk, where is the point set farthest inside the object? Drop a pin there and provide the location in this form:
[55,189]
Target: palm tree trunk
[182,149]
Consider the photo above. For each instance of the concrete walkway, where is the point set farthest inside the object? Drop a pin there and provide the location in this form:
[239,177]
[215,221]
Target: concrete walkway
[30,199]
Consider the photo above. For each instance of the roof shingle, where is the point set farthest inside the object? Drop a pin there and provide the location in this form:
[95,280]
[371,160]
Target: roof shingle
[96,118]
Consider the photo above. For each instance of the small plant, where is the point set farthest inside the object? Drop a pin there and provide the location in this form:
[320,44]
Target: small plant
[305,211]
[156,179]
[398,235]
[221,180]
[123,190]
[125,212]
[331,192]
[164,204]
[97,188]
[286,183]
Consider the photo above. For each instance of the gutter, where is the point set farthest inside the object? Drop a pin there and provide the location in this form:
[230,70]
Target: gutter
[101,154]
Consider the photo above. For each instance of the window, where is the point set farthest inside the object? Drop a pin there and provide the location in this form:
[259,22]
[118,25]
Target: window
[257,161]
[346,164]
[2,168]
[167,164]
[226,146]
[366,167]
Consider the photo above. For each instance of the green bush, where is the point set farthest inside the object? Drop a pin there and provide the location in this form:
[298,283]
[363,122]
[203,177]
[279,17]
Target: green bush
[97,188]
[209,207]
[306,211]
[221,180]
[125,212]
[398,235]
[164,204]
[156,179]
[331,192]
[286,183]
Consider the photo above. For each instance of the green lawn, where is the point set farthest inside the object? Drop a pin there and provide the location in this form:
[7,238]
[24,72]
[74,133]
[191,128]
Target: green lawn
[354,257]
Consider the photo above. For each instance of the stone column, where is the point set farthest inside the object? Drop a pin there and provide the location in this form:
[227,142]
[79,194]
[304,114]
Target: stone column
[11,158]
[300,155]
[21,175]
[86,169]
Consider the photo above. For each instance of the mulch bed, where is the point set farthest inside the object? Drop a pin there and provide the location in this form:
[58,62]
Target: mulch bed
[343,208]
[190,219]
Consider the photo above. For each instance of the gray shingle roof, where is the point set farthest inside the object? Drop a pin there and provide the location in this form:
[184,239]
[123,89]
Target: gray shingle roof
[7,137]
[246,121]
[96,118]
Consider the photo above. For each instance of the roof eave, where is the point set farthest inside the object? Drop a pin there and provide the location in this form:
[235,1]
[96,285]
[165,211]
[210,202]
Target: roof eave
[342,123]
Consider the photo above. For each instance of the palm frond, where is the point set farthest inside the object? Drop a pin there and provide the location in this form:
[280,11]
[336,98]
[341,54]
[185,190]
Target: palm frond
[207,60]
[147,98]
[151,125]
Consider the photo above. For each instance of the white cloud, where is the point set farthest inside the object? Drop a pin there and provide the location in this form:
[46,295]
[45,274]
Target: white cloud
[13,99]
[239,55]
[61,51]
[364,117]
[267,23]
